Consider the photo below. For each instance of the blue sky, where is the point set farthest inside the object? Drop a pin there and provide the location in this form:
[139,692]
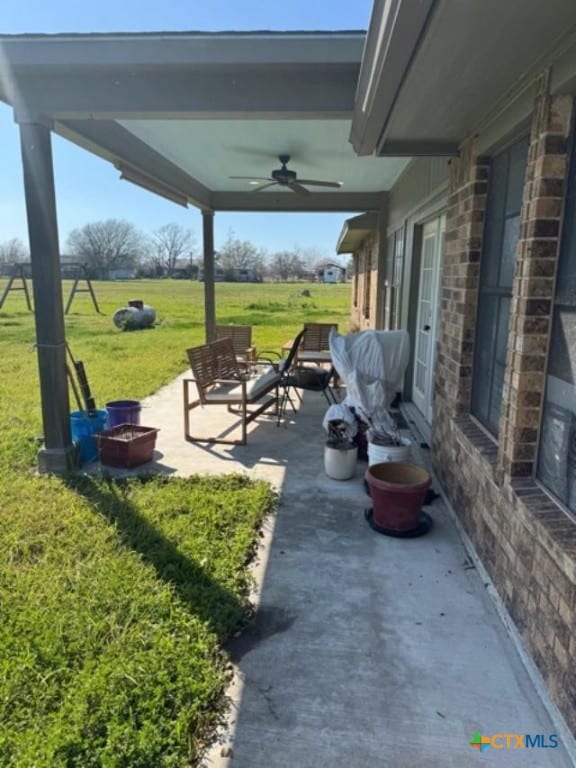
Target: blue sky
[104,196]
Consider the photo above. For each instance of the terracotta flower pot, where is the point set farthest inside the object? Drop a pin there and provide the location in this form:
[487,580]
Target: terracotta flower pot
[397,490]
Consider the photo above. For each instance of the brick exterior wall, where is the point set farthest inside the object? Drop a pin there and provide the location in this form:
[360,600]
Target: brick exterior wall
[366,288]
[461,269]
[533,290]
[525,540]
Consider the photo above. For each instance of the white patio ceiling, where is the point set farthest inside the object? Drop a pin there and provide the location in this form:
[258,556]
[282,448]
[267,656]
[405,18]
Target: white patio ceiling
[318,149]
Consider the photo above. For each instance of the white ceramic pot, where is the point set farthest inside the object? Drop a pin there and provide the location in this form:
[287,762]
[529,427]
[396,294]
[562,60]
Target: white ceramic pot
[378,454]
[340,463]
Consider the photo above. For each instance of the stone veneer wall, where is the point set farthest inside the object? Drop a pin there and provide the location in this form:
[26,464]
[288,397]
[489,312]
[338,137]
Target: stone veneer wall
[525,540]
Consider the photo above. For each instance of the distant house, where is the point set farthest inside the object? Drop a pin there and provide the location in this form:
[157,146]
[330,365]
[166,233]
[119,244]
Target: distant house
[331,273]
[246,275]
[13,269]
[218,274]
[121,273]
[6,270]
[184,269]
[240,275]
[70,267]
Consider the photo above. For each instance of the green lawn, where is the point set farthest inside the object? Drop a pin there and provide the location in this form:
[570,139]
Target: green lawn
[115,597]
[132,365]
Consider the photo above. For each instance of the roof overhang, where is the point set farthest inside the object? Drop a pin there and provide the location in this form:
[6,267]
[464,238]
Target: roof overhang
[355,231]
[180,114]
[435,71]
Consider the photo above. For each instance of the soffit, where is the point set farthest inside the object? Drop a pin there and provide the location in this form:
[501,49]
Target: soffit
[467,60]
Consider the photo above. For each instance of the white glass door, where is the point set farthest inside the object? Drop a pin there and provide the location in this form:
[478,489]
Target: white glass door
[427,316]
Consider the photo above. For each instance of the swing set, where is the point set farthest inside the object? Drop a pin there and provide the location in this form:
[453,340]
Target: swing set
[17,281]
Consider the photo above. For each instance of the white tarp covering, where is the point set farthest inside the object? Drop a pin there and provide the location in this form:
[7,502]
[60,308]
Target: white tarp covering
[372,364]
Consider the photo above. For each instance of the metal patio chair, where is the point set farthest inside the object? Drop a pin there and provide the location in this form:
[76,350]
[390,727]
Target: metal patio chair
[296,377]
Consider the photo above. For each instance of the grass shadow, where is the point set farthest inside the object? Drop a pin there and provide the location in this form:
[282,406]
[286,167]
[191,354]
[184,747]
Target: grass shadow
[215,605]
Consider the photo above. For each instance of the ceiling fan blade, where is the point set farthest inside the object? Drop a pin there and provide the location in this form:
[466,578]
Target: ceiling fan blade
[315,183]
[298,188]
[264,186]
[252,178]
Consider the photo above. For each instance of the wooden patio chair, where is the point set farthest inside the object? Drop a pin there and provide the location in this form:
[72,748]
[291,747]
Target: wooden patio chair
[220,380]
[241,336]
[315,347]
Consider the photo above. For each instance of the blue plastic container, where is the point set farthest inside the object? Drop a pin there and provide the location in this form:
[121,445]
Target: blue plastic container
[123,412]
[84,425]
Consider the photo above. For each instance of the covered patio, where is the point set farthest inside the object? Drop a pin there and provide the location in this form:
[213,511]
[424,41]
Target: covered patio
[367,650]
[201,119]
[352,659]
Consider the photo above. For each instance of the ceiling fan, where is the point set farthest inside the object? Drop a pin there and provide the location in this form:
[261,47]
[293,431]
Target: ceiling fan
[285,178]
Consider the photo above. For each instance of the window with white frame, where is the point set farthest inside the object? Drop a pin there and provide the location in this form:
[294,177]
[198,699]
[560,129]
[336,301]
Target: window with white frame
[394,263]
[556,467]
[501,231]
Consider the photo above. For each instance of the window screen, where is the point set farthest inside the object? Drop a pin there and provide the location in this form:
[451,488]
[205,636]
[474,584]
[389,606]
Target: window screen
[501,231]
[557,450]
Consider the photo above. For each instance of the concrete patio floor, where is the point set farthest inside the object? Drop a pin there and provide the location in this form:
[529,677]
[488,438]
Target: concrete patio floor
[367,650]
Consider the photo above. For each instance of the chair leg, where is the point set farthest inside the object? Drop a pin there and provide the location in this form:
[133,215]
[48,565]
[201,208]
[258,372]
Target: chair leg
[284,400]
[328,400]
[281,407]
[333,395]
[289,399]
[244,418]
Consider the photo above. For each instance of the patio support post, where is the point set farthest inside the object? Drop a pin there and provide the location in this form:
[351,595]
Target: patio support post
[209,293]
[57,454]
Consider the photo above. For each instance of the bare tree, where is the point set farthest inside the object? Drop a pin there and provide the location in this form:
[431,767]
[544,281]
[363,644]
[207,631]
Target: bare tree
[13,252]
[311,256]
[171,243]
[236,255]
[107,245]
[286,265]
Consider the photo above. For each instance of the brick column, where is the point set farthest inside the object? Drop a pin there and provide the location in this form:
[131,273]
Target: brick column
[463,243]
[533,288]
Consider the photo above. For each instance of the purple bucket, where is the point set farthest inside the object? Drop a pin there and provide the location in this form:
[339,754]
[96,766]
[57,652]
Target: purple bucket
[123,412]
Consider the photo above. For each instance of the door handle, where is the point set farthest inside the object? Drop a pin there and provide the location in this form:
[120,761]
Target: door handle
[426,328]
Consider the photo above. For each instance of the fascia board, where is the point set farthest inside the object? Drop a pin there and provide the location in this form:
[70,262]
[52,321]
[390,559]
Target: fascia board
[395,32]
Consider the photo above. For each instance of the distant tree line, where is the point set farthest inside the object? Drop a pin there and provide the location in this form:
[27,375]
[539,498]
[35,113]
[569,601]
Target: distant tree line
[115,247]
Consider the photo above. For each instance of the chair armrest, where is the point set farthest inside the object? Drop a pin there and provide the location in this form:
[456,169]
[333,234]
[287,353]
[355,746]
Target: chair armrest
[239,380]
[266,357]
[276,364]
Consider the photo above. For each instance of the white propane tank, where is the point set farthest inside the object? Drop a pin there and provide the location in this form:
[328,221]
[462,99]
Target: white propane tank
[135,316]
